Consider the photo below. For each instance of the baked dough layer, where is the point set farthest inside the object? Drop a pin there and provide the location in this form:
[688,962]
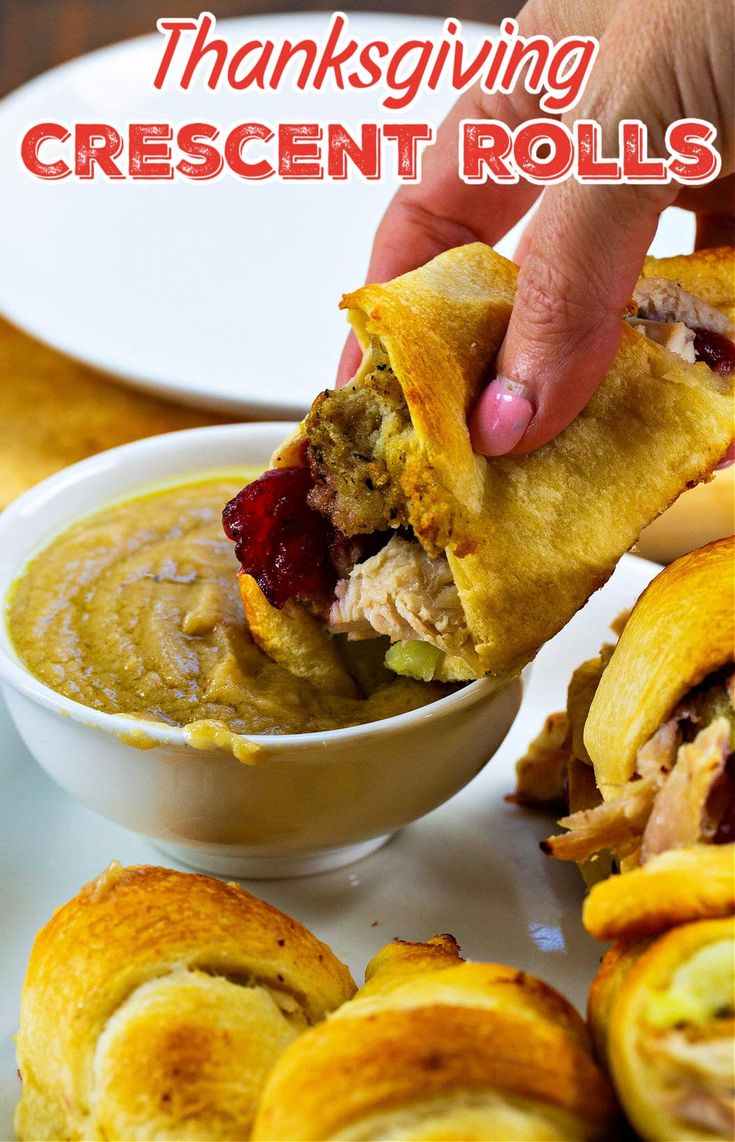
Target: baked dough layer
[528,538]
[155,1003]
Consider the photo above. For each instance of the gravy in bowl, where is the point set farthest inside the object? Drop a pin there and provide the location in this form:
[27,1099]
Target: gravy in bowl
[136,610]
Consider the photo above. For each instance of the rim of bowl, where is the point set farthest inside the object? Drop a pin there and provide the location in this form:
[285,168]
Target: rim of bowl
[15,674]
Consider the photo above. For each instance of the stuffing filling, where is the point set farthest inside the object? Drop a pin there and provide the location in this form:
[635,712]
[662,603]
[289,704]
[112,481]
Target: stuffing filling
[358,437]
[340,539]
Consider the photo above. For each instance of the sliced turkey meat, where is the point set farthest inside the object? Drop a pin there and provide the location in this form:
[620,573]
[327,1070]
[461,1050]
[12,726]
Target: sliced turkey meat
[674,318]
[615,825]
[678,813]
[660,300]
[668,802]
[672,335]
[402,593]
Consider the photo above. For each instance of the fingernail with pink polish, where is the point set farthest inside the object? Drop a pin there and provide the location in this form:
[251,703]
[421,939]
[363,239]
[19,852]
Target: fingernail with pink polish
[500,417]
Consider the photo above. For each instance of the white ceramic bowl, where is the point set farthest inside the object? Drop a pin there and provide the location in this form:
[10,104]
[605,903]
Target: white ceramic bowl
[311,801]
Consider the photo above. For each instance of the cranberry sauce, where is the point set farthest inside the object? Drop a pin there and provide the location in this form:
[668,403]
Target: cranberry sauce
[715,350]
[291,550]
[279,540]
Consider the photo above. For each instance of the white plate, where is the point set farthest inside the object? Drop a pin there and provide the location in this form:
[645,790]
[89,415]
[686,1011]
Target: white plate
[472,868]
[222,293]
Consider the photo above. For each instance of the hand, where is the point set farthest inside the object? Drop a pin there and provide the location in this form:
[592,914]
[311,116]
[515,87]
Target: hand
[584,250]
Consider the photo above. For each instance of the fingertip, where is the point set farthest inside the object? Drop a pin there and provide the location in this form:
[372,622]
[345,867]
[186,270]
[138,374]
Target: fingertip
[586,246]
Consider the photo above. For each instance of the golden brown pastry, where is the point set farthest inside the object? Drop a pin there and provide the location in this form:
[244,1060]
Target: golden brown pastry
[545,774]
[660,734]
[662,1015]
[483,560]
[542,774]
[674,887]
[556,772]
[156,1002]
[681,630]
[295,639]
[435,1048]
[704,513]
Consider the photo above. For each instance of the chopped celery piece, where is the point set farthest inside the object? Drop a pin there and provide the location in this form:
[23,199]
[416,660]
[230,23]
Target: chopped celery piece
[415,659]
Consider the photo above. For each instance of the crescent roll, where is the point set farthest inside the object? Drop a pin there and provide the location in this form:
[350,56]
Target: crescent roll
[436,1048]
[704,513]
[672,888]
[660,734]
[662,1015]
[156,1002]
[681,630]
[480,561]
[707,274]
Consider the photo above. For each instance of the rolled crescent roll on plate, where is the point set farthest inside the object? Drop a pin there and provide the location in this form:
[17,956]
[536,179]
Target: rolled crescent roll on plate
[681,630]
[659,732]
[662,1015]
[470,564]
[156,1002]
[436,1048]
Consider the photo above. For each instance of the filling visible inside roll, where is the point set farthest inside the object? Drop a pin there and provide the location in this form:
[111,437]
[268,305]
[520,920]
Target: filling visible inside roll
[337,530]
[336,534]
[686,1037]
[682,790]
[359,437]
[683,324]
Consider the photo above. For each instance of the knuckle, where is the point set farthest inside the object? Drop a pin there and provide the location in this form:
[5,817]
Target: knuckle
[553,304]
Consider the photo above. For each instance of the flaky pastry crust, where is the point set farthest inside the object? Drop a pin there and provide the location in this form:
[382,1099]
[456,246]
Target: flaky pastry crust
[436,1048]
[680,630]
[528,538]
[672,1068]
[154,1004]
[674,887]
